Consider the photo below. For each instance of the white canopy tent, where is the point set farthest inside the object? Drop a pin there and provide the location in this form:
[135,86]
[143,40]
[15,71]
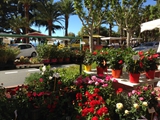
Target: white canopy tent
[150,25]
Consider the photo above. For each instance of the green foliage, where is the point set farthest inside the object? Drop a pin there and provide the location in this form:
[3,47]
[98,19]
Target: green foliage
[88,58]
[116,58]
[44,51]
[133,62]
[31,78]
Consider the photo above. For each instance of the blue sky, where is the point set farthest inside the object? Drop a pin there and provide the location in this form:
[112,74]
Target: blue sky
[75,24]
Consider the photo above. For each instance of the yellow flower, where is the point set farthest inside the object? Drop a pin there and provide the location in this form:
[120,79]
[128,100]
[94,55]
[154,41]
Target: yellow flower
[145,103]
[136,105]
[119,105]
[126,112]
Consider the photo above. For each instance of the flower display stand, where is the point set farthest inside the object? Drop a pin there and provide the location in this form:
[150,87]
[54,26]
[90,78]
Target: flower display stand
[29,65]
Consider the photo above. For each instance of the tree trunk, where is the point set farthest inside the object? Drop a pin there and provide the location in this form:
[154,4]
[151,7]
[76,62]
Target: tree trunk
[110,30]
[66,25]
[128,38]
[27,19]
[50,27]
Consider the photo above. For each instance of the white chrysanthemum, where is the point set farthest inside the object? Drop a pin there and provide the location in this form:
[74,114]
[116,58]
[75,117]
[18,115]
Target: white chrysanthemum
[126,112]
[145,103]
[119,105]
[50,77]
[135,105]
[44,68]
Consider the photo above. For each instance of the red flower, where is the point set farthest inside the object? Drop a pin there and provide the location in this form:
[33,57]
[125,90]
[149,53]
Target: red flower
[141,64]
[120,62]
[95,118]
[102,111]
[79,96]
[96,90]
[155,55]
[119,90]
[41,79]
[140,53]
[34,94]
[29,94]
[94,53]
[59,82]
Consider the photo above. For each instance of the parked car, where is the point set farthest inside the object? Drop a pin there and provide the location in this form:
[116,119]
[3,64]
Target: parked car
[147,45]
[26,49]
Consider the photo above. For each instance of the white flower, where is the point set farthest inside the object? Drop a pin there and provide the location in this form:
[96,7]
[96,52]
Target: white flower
[135,105]
[44,68]
[119,105]
[126,112]
[42,73]
[50,77]
[54,68]
[145,103]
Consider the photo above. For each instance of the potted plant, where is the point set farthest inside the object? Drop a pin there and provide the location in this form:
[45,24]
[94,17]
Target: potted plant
[53,54]
[88,60]
[67,54]
[116,61]
[44,52]
[101,57]
[134,65]
[60,55]
[150,63]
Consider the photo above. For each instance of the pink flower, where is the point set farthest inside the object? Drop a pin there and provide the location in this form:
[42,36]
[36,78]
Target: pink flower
[96,83]
[90,82]
[141,98]
[104,85]
[41,79]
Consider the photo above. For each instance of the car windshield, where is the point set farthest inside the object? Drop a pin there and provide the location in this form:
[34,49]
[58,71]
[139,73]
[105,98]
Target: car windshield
[148,44]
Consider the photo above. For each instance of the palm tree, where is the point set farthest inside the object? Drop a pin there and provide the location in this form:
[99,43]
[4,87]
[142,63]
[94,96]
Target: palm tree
[16,23]
[46,14]
[26,4]
[67,9]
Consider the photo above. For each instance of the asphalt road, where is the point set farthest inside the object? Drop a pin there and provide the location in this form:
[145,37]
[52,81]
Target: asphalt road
[16,77]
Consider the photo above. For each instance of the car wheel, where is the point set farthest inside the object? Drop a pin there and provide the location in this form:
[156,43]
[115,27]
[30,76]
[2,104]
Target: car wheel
[33,54]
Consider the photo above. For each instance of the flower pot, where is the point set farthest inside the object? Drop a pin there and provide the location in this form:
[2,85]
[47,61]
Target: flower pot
[150,74]
[54,60]
[46,61]
[60,60]
[100,71]
[116,73]
[67,60]
[87,67]
[134,77]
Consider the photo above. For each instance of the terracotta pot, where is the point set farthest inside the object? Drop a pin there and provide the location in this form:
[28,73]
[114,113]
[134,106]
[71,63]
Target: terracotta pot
[150,74]
[100,71]
[116,73]
[134,77]
[87,68]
